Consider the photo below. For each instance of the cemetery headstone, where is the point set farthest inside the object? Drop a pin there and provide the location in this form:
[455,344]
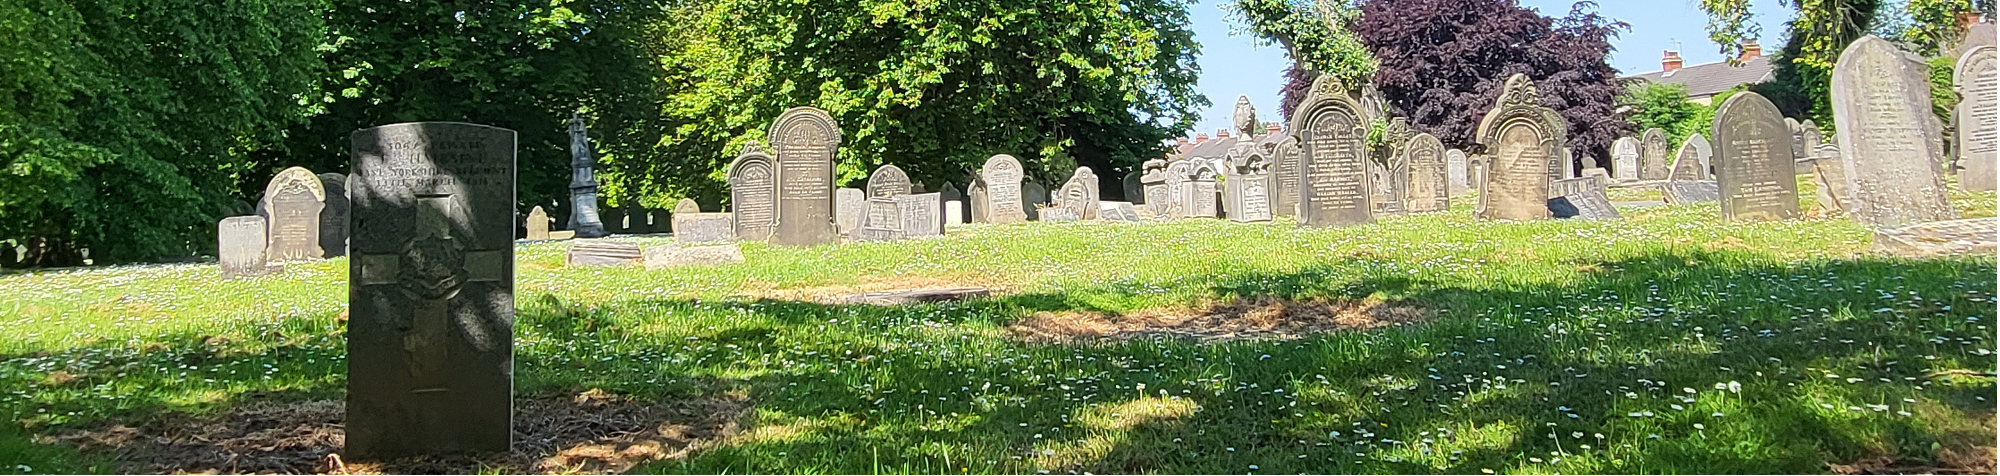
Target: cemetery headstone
[1572,186]
[294,200]
[975,192]
[1705,155]
[672,255]
[239,247]
[1810,137]
[1687,164]
[1456,171]
[888,181]
[1180,192]
[1971,236]
[806,140]
[1331,128]
[1118,211]
[1427,191]
[1247,190]
[753,193]
[849,205]
[1625,158]
[1135,190]
[1798,138]
[1285,174]
[1653,155]
[922,214]
[1004,196]
[1678,192]
[537,224]
[1753,160]
[1830,177]
[1522,136]
[1589,204]
[333,218]
[583,217]
[954,213]
[1079,194]
[1203,191]
[693,226]
[1978,119]
[1033,195]
[1159,197]
[430,339]
[1882,117]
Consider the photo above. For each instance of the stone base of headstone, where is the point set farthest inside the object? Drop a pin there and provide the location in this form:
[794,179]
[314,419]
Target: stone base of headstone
[1683,192]
[1942,238]
[596,252]
[916,296]
[1059,214]
[704,227]
[671,255]
[1586,205]
[560,235]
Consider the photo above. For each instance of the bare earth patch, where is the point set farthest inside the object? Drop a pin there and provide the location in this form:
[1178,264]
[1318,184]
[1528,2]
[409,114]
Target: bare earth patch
[1260,318]
[838,294]
[591,433]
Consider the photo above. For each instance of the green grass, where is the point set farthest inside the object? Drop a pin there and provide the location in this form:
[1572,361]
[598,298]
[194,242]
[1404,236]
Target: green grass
[1555,346]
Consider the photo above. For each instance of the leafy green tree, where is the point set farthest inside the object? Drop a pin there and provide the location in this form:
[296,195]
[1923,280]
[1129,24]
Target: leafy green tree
[1821,29]
[1317,34]
[931,86]
[1664,106]
[125,125]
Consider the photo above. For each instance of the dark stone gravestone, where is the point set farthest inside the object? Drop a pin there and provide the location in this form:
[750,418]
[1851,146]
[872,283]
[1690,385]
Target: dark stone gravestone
[806,140]
[888,181]
[1882,116]
[1523,137]
[1427,191]
[918,187]
[1625,158]
[1135,190]
[977,200]
[1001,177]
[753,193]
[333,218]
[1680,192]
[1248,187]
[239,248]
[1653,155]
[537,224]
[1079,194]
[430,343]
[1285,174]
[1753,160]
[1457,169]
[1687,164]
[583,216]
[849,205]
[1587,205]
[612,220]
[1978,119]
[1332,129]
[693,226]
[603,252]
[294,200]
[1033,196]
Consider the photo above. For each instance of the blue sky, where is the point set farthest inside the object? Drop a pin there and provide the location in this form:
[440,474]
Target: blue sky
[1233,64]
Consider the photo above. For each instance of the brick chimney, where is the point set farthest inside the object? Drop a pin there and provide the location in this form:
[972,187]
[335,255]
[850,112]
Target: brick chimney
[1200,138]
[1751,50]
[1221,134]
[1180,143]
[1670,62]
[1272,128]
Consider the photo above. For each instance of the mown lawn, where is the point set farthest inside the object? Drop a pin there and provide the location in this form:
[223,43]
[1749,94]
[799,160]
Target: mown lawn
[1665,342]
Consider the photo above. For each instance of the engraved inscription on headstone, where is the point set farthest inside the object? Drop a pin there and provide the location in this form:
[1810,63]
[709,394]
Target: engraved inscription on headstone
[849,204]
[1625,158]
[1753,160]
[1677,192]
[888,181]
[294,200]
[1203,191]
[1427,190]
[806,140]
[1882,118]
[1331,128]
[430,341]
[1653,155]
[239,247]
[1522,137]
[1978,116]
[1285,173]
[1248,187]
[920,214]
[1457,172]
[1004,198]
[753,192]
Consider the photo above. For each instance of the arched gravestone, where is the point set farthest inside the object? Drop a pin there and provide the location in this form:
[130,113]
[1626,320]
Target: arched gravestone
[976,198]
[1178,202]
[1625,158]
[1798,140]
[1653,159]
[294,199]
[1079,194]
[1333,182]
[1427,190]
[1810,138]
[1153,181]
[1753,160]
[1248,187]
[1687,164]
[888,181]
[431,339]
[1285,173]
[1457,169]
[753,199]
[805,139]
[1882,116]
[333,218]
[1004,197]
[1134,189]
[1202,189]
[1704,154]
[1522,138]
[1978,119]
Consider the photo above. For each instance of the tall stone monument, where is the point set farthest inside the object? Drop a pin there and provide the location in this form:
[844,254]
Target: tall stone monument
[1332,130]
[1427,190]
[1004,198]
[806,140]
[1625,158]
[294,199]
[1978,119]
[753,193]
[1522,137]
[1653,155]
[583,216]
[1882,118]
[1753,160]
[430,367]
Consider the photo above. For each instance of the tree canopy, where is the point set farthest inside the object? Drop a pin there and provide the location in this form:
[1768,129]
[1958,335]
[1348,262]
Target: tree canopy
[1819,30]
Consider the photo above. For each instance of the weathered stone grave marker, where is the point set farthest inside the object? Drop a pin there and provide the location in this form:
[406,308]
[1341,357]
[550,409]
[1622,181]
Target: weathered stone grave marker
[294,199]
[1653,155]
[849,205]
[806,140]
[333,217]
[1523,137]
[1427,191]
[537,224]
[1753,160]
[692,226]
[239,248]
[1625,158]
[583,218]
[1456,171]
[753,193]
[1331,128]
[1978,119]
[1882,117]
[1004,201]
[888,181]
[1079,194]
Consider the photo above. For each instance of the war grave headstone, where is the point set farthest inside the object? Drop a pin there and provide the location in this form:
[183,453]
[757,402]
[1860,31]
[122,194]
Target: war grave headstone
[1978,119]
[1625,158]
[333,218]
[1203,191]
[537,224]
[294,200]
[584,219]
[239,248]
[1881,115]
[1247,190]
[1079,194]
[805,140]
[753,193]
[1033,196]
[1522,137]
[1427,191]
[1334,186]
[691,225]
[1002,176]
[1753,160]
[849,205]
[1456,172]
[888,181]
[1653,155]
[430,339]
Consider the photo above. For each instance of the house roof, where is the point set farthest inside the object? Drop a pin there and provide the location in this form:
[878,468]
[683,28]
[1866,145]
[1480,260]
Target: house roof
[1705,80]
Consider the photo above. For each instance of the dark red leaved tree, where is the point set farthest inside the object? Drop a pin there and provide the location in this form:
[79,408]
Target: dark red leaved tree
[1444,61]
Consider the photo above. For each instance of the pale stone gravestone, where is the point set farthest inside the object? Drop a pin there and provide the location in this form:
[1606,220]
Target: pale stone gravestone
[1941,238]
[333,218]
[537,224]
[239,247]
[1753,160]
[1572,186]
[1589,204]
[1978,119]
[849,205]
[1059,214]
[1428,191]
[922,214]
[1134,188]
[1810,137]
[1704,154]
[1247,190]
[1180,197]
[1625,158]
[888,181]
[1830,177]
[1687,164]
[1159,196]
[900,217]
[1285,173]
[1117,211]
[1033,196]
[430,340]
[294,199]
[1653,155]
[693,226]
[1678,192]
[1391,179]
[1798,138]
[1004,198]
[583,217]
[753,193]
[976,196]
[806,140]
[1332,130]
[1882,118]
[1523,137]
[954,204]
[670,255]
[602,252]
[1079,194]
[1203,191]
[1456,171]
[880,221]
